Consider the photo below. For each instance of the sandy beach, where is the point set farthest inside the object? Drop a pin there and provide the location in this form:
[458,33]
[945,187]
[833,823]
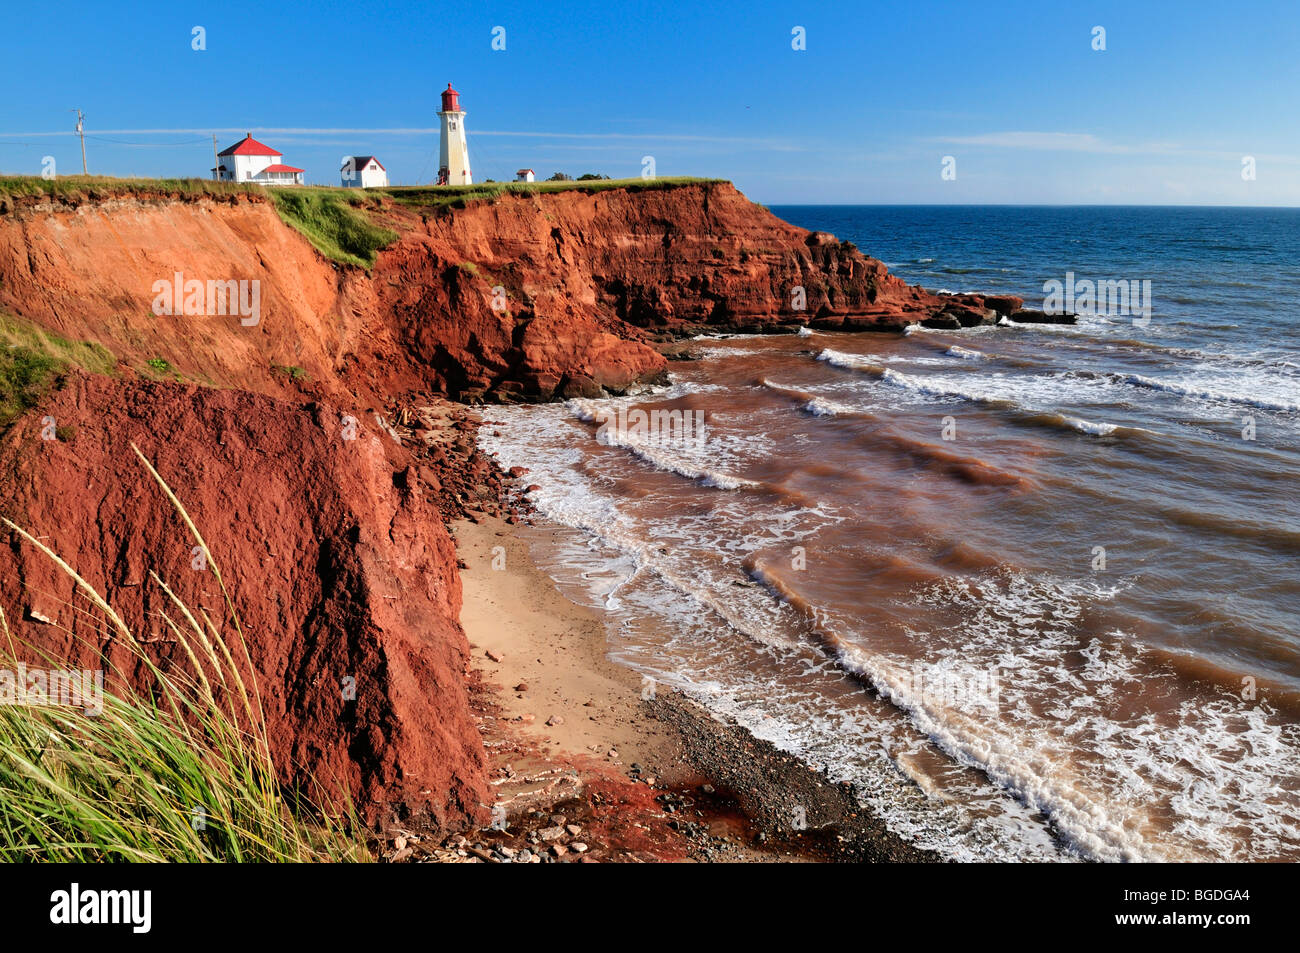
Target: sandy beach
[582,762]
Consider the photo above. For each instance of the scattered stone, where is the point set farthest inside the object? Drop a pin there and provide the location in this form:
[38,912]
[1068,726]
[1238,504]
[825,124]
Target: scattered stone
[555,720]
[494,656]
[573,829]
[521,687]
[549,834]
[559,850]
[399,842]
[578,847]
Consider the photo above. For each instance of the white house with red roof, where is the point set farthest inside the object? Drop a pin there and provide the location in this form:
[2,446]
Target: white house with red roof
[251,161]
[363,172]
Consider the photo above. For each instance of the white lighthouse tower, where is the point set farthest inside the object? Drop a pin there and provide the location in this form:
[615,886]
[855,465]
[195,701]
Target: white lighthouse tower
[454,158]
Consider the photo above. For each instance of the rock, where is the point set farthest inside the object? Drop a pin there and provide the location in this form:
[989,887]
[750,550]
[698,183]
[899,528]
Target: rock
[551,833]
[559,850]
[401,856]
[555,720]
[517,472]
[1031,316]
[494,656]
[399,842]
[578,847]
[528,718]
[573,829]
[521,687]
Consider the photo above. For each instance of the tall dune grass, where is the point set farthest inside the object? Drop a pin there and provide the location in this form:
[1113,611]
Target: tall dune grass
[180,770]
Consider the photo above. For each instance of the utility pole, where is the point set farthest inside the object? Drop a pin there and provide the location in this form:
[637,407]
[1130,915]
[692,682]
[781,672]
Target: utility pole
[216,161]
[81,131]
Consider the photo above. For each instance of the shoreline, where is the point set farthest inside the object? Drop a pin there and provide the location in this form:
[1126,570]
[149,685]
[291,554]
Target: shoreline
[579,760]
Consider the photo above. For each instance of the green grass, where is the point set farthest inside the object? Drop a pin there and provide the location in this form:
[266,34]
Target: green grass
[31,359]
[292,371]
[178,770]
[328,220]
[73,187]
[459,196]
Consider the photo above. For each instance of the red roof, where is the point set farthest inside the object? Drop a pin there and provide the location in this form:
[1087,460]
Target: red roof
[281,168]
[249,146]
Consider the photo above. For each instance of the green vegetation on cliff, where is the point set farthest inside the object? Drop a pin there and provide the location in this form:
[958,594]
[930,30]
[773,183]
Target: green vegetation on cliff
[77,188]
[328,220]
[30,359]
[459,196]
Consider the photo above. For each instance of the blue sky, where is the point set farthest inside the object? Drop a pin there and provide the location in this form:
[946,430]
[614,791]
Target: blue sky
[1013,91]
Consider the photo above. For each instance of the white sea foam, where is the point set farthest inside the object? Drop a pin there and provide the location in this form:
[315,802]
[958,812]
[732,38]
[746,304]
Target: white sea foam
[1199,392]
[1088,426]
[851,361]
[966,354]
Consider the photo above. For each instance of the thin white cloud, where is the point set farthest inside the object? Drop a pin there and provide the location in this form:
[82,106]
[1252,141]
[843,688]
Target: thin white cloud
[1051,141]
[1086,142]
[429,131]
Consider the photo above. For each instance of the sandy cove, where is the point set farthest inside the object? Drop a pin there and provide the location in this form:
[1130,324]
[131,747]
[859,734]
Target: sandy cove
[585,768]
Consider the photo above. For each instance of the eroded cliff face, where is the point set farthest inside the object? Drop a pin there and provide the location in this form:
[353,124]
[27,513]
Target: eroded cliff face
[523,297]
[343,578]
[339,566]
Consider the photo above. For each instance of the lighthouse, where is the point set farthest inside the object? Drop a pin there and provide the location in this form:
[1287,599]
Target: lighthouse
[454,158]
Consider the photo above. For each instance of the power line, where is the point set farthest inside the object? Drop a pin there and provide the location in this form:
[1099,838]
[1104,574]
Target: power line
[123,142]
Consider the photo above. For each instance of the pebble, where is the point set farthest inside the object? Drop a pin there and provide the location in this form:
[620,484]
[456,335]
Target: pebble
[573,829]
[578,847]
[555,720]
[521,687]
[551,833]
[494,656]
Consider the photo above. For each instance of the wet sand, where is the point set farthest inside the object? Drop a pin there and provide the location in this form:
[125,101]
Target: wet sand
[640,779]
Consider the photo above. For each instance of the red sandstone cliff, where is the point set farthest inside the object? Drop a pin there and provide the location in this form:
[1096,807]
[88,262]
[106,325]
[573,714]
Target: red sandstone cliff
[584,277]
[343,577]
[339,567]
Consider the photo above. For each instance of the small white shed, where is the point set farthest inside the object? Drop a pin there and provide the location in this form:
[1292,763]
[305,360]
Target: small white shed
[363,172]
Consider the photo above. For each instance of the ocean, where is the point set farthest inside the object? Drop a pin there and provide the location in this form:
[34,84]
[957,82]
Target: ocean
[1033,590]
